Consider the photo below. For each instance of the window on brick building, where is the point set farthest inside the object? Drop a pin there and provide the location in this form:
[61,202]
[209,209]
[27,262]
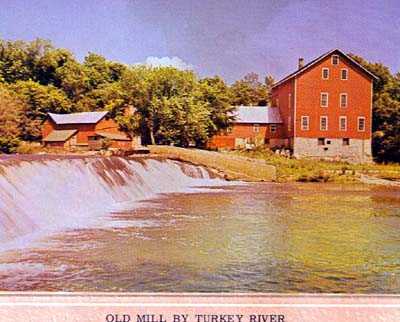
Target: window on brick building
[346,141]
[343,123]
[305,123]
[272,128]
[344,74]
[325,73]
[256,128]
[324,99]
[343,100]
[361,124]
[335,59]
[323,125]
[321,141]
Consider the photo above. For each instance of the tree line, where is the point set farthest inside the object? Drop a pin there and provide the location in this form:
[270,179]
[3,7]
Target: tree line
[173,106]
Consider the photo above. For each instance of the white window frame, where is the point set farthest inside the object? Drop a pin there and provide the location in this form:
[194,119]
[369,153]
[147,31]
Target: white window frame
[307,127]
[347,73]
[358,123]
[273,128]
[332,59]
[322,73]
[345,123]
[327,99]
[340,100]
[320,123]
[256,128]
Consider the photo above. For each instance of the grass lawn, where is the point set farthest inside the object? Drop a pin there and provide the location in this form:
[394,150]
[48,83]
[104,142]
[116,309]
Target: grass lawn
[309,170]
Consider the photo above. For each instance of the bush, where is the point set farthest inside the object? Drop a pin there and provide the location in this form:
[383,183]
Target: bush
[28,148]
[9,145]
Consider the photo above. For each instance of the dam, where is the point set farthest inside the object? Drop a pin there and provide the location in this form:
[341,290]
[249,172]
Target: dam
[42,194]
[160,225]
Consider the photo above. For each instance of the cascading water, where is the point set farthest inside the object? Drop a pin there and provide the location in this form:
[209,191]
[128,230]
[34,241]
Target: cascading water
[39,196]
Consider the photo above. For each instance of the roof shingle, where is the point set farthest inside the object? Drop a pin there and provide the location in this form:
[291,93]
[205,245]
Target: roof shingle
[257,114]
[78,118]
[59,135]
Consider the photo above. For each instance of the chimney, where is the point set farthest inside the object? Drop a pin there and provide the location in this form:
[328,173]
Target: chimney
[301,62]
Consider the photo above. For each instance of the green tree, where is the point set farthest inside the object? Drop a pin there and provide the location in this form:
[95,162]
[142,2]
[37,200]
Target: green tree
[74,80]
[249,91]
[215,93]
[11,117]
[38,101]
[386,112]
[47,65]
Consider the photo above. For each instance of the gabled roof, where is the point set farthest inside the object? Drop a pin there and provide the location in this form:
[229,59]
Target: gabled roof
[59,135]
[257,114]
[78,118]
[114,136]
[320,58]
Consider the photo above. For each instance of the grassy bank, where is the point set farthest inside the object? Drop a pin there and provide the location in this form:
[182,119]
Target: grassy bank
[308,170]
[232,167]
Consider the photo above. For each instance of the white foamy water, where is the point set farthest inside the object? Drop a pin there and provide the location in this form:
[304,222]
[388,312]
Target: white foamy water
[39,197]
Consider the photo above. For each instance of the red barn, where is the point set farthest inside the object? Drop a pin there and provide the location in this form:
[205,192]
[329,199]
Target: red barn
[326,108]
[87,130]
[253,125]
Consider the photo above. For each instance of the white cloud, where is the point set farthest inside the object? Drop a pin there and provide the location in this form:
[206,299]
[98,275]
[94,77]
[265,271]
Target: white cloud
[167,62]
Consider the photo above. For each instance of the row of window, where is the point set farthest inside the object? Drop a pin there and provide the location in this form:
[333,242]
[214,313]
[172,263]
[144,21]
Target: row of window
[272,128]
[324,99]
[323,123]
[344,73]
[323,141]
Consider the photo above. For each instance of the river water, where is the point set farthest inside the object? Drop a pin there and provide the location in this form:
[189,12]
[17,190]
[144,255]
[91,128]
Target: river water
[296,238]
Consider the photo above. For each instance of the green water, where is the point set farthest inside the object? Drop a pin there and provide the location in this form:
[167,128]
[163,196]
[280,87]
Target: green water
[253,238]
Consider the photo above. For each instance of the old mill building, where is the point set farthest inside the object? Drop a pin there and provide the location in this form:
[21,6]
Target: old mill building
[322,110]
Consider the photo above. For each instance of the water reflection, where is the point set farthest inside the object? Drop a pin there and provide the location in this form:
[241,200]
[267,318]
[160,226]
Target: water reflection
[252,238]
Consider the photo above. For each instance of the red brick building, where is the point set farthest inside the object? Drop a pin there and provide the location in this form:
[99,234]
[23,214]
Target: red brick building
[326,108]
[87,130]
[253,125]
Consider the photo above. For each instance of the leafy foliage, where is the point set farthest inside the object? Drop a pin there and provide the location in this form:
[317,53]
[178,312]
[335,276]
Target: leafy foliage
[250,91]
[11,117]
[386,112]
[38,101]
[172,106]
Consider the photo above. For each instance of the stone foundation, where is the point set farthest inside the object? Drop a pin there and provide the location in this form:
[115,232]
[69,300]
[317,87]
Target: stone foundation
[358,151]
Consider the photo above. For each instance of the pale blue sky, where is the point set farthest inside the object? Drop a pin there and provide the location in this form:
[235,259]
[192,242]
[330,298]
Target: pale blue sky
[225,37]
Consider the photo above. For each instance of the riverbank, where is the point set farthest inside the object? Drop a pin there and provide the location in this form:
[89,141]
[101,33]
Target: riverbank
[231,167]
[264,165]
[309,170]
[249,165]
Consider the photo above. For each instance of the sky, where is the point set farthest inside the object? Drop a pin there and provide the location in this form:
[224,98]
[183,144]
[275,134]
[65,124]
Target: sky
[229,38]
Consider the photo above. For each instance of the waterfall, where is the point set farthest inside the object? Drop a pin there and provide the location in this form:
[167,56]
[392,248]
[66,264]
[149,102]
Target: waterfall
[50,194]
